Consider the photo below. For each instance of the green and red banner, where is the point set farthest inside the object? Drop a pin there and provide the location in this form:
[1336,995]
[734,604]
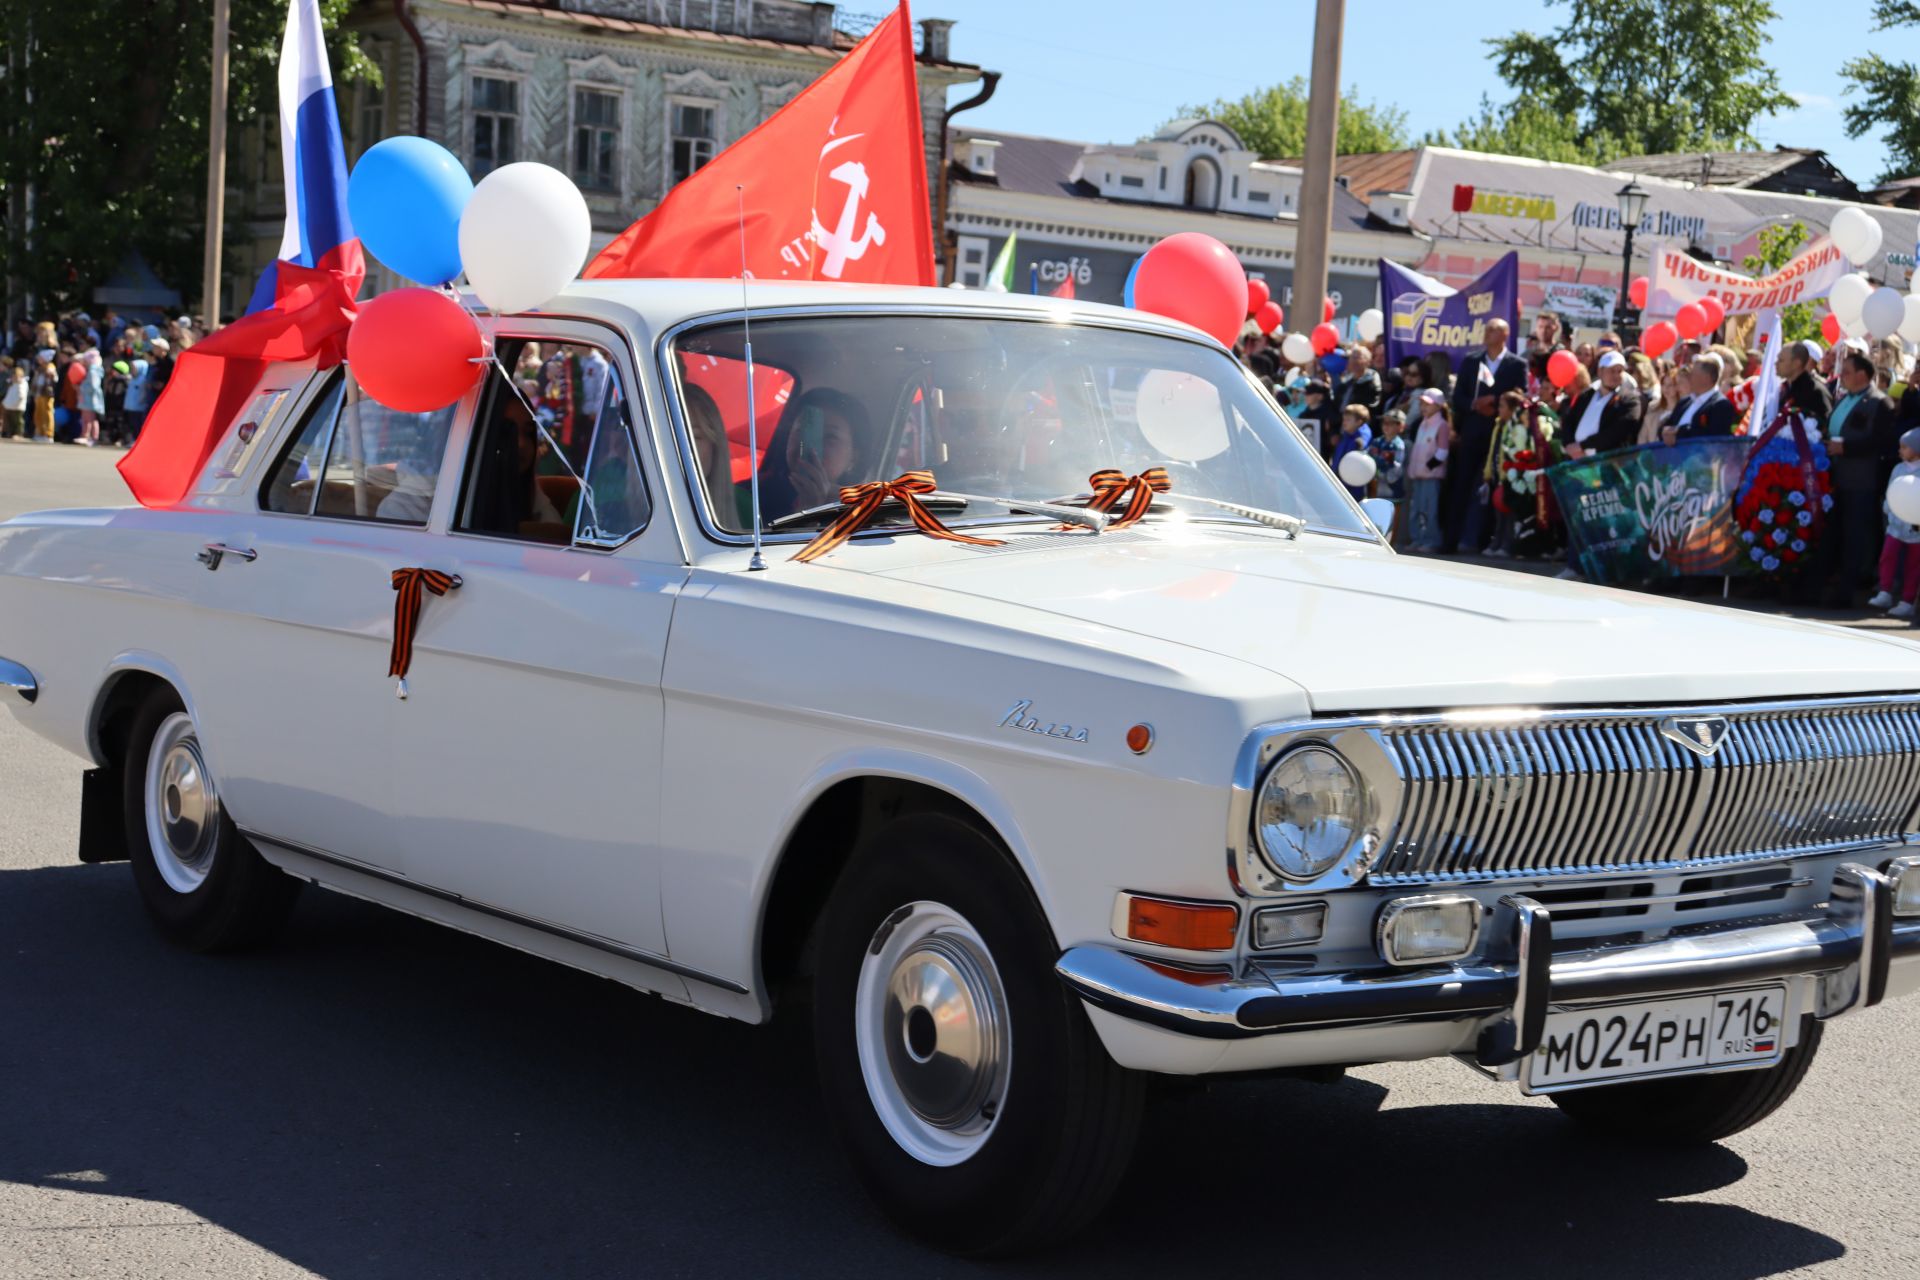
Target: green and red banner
[1655,511]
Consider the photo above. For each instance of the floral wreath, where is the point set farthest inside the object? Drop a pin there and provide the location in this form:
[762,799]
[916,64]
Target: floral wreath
[1784,494]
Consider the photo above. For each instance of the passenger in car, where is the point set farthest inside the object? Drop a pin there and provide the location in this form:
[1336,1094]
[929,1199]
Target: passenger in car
[732,504]
[824,441]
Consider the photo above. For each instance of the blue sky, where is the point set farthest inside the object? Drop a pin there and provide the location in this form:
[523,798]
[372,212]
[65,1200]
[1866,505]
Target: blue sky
[1112,71]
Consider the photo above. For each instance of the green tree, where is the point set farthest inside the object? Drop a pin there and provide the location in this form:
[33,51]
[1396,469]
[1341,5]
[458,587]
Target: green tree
[103,123]
[1643,77]
[1524,129]
[1273,121]
[1890,93]
[1777,245]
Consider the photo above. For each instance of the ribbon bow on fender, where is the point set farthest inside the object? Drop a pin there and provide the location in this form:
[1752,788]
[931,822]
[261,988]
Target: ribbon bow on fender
[1111,485]
[863,500]
[410,586]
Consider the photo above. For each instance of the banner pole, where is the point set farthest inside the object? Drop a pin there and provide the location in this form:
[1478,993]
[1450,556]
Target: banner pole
[216,172]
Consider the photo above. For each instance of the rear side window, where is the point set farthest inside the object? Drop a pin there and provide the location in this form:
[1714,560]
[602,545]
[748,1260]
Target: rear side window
[379,463]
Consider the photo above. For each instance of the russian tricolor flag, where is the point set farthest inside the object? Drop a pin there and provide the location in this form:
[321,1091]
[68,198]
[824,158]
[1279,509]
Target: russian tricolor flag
[314,158]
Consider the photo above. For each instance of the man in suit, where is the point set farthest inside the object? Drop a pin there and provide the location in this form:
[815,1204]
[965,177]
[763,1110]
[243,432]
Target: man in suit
[1484,377]
[1801,384]
[1705,411]
[1862,439]
[1607,414]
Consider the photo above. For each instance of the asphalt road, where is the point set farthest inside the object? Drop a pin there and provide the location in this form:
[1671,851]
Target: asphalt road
[378,1097]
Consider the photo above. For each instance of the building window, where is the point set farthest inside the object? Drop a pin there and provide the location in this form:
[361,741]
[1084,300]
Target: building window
[372,125]
[596,139]
[691,134]
[1260,197]
[1129,180]
[1236,186]
[496,123]
[1163,177]
[972,261]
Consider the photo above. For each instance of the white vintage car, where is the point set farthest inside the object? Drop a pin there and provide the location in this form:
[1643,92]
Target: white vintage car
[1185,776]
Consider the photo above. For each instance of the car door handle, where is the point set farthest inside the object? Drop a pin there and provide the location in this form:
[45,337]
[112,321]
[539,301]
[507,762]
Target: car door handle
[214,552]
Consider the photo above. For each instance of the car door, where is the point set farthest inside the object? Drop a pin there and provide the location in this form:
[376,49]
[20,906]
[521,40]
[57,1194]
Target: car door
[527,754]
[295,702]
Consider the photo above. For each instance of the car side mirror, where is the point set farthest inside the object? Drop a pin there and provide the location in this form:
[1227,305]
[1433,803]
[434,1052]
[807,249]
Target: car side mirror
[1380,511]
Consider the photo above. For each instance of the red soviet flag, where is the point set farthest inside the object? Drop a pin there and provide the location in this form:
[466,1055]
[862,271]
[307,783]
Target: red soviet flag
[835,186]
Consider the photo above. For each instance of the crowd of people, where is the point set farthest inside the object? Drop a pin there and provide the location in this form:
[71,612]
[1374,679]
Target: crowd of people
[85,381]
[1462,452]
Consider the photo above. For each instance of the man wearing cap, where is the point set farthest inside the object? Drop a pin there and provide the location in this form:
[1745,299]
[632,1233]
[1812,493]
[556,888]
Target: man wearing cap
[159,368]
[1484,377]
[1705,411]
[1607,414]
[1862,440]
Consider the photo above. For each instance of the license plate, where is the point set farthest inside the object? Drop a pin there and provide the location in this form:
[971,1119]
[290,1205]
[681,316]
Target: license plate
[1719,1030]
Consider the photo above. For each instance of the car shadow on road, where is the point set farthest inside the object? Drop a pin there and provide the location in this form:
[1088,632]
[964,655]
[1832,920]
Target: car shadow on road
[375,1096]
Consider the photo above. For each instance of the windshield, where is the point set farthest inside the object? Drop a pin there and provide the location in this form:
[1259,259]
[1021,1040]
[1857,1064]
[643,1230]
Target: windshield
[1005,409]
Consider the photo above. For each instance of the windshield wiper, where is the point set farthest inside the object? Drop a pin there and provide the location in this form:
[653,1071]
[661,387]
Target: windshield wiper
[941,500]
[1289,525]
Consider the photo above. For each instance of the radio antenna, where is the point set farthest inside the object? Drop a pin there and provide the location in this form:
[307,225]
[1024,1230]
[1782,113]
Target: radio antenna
[753,406]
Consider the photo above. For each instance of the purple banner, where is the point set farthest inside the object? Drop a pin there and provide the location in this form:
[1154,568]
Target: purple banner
[1423,316]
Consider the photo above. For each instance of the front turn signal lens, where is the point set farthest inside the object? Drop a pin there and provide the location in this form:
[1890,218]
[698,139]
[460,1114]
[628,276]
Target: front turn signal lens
[1905,875]
[1191,926]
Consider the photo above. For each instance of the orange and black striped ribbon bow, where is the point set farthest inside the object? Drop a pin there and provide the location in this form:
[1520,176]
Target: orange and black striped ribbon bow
[1111,485]
[410,586]
[863,500]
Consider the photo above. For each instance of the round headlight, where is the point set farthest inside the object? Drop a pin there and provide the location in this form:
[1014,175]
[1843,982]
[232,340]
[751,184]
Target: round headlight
[1310,810]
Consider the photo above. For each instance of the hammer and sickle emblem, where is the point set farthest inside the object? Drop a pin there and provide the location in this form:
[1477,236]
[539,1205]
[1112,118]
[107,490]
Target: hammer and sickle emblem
[842,244]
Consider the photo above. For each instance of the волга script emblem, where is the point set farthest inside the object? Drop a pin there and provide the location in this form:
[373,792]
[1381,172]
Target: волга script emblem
[1019,719]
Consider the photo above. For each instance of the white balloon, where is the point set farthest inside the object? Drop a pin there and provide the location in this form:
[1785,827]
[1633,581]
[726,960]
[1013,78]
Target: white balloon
[1883,312]
[1297,348]
[1853,329]
[1910,323]
[1370,323]
[1358,469]
[523,236]
[1903,498]
[1848,295]
[1855,234]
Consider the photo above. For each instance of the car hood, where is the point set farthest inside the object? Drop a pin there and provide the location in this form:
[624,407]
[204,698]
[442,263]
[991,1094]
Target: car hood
[1360,628]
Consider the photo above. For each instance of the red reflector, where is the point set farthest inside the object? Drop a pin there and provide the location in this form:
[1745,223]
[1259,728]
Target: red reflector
[1192,926]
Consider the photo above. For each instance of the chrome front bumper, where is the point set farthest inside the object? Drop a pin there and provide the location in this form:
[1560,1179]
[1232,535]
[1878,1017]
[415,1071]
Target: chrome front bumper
[17,678]
[1851,948]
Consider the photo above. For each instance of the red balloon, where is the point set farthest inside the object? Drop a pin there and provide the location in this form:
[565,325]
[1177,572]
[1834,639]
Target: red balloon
[1327,310]
[1194,278]
[1716,312]
[1637,291]
[76,373]
[1257,295]
[1830,328]
[1692,321]
[1562,368]
[1325,338]
[1659,338]
[414,350]
[1269,317]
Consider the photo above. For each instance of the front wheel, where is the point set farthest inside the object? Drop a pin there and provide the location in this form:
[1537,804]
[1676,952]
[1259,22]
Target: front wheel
[965,1082]
[1692,1109]
[203,886]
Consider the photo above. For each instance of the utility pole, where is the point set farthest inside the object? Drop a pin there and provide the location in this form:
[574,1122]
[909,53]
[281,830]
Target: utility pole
[216,172]
[1316,178]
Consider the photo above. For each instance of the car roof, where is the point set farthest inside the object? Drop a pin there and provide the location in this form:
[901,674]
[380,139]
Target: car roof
[655,305]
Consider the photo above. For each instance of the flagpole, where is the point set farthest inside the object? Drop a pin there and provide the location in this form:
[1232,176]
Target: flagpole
[216,172]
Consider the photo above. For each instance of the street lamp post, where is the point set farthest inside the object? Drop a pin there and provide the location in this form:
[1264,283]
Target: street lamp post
[1633,204]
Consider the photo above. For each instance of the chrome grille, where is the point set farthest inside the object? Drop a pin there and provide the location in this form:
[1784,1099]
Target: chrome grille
[1610,792]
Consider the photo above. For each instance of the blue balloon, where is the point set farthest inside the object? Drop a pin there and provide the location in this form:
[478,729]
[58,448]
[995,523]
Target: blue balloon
[1126,293]
[405,198]
[1334,362]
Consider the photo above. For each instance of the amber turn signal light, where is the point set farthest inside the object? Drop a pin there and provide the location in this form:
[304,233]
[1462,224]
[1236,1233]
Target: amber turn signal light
[1193,926]
[1140,739]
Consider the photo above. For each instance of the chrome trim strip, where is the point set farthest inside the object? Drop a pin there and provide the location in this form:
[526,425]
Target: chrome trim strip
[1518,989]
[1489,794]
[598,943]
[17,678]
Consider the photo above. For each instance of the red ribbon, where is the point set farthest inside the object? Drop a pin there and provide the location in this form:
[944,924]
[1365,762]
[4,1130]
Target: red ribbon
[410,586]
[862,501]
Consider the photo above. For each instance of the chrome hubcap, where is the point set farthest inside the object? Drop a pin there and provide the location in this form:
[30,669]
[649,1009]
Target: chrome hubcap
[932,1031]
[183,810]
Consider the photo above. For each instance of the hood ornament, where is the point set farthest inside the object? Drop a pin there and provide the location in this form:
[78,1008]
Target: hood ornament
[1701,735]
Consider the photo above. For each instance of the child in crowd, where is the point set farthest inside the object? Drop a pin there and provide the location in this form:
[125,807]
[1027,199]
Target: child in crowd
[1427,468]
[90,399]
[1510,437]
[139,399]
[1313,417]
[1390,480]
[1355,436]
[1900,553]
[13,406]
[46,390]
[113,423]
